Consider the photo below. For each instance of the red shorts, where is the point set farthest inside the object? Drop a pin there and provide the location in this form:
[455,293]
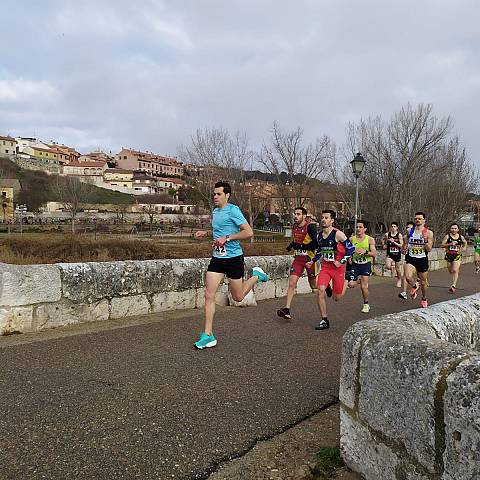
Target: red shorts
[298,266]
[330,272]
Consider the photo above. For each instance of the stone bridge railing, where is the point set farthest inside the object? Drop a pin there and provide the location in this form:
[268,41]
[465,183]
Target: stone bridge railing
[35,297]
[410,394]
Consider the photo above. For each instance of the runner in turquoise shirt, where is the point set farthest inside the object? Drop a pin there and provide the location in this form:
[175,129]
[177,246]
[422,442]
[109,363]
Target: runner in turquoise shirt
[226,221]
[229,226]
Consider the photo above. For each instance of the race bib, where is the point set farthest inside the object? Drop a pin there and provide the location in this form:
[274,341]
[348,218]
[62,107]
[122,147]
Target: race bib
[417,251]
[394,249]
[453,248]
[301,252]
[328,255]
[360,259]
[220,251]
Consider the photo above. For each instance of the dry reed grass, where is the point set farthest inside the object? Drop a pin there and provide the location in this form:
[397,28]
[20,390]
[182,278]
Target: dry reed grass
[37,249]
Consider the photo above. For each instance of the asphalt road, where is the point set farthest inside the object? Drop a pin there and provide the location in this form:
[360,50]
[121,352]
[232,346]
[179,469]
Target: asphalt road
[109,401]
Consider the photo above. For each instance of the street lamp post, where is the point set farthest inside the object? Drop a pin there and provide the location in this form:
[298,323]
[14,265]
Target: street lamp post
[358,164]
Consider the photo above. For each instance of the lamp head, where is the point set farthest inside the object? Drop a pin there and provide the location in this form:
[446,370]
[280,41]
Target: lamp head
[358,164]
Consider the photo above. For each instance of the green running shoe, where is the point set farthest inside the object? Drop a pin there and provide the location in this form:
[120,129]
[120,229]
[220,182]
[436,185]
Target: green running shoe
[205,341]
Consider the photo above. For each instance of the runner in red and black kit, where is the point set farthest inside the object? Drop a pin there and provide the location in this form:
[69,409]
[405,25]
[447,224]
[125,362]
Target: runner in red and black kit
[393,242]
[303,246]
[334,248]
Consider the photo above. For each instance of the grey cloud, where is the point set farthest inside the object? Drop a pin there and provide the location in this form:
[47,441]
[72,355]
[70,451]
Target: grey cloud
[147,74]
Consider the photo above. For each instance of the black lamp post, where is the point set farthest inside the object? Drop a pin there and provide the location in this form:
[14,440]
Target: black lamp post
[358,164]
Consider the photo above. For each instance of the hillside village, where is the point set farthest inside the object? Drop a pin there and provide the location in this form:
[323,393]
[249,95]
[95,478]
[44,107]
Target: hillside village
[129,171]
[167,181]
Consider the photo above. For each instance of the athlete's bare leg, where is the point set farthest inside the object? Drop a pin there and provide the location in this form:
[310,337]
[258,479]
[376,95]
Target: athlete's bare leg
[454,269]
[423,280]
[322,300]
[477,260]
[398,268]
[409,272]
[364,287]
[292,283]
[212,282]
[240,288]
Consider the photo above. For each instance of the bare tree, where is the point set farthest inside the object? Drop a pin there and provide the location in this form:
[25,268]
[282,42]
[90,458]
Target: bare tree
[71,193]
[413,163]
[218,155]
[205,155]
[295,166]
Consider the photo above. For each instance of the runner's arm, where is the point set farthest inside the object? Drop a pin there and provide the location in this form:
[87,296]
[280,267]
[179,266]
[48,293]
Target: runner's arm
[385,241]
[372,251]
[317,257]
[429,244]
[312,233]
[400,240]
[245,233]
[445,241]
[349,248]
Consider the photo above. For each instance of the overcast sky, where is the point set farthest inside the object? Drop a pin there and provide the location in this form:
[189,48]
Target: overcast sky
[147,74]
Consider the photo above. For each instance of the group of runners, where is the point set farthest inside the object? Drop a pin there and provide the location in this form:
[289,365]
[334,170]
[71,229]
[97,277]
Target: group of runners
[332,261]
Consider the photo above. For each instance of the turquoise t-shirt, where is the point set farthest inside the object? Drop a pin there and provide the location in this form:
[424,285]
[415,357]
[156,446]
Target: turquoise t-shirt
[227,221]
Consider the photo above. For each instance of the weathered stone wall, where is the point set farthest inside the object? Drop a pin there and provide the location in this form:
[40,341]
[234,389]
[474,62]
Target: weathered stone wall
[36,164]
[35,297]
[410,394]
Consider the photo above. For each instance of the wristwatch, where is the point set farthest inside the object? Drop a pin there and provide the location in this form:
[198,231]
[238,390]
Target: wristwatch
[227,238]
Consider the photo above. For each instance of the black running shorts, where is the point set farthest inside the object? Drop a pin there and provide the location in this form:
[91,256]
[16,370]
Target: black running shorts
[396,257]
[233,267]
[420,264]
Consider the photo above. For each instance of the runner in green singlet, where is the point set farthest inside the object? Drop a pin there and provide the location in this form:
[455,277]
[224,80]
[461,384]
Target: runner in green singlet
[361,265]
[477,254]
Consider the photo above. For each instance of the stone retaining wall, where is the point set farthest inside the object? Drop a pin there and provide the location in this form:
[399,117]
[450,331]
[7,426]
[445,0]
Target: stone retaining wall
[410,394]
[35,297]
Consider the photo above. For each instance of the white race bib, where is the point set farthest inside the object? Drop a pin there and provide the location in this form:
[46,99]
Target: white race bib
[220,251]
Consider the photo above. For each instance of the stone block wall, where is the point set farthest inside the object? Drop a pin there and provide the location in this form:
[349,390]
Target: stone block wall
[410,394]
[35,297]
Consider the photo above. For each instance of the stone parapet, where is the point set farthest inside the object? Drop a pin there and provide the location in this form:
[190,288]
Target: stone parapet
[35,297]
[410,393]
